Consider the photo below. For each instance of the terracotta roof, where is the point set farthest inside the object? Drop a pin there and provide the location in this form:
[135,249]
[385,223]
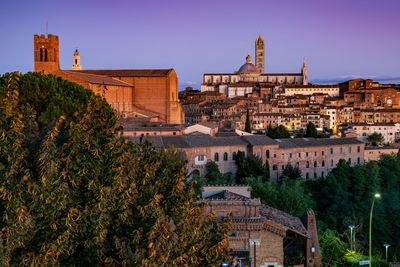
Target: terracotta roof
[97,79]
[283,218]
[129,72]
[312,142]
[226,195]
[380,147]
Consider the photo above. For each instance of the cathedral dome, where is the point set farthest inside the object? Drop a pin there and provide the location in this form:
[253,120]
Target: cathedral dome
[248,67]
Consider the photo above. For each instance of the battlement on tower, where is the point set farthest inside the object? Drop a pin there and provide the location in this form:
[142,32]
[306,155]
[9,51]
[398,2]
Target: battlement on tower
[46,53]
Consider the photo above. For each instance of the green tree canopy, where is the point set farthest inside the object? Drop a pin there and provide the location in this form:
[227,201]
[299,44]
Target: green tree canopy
[77,194]
[375,139]
[250,166]
[278,132]
[49,96]
[247,127]
[311,130]
[288,195]
[291,172]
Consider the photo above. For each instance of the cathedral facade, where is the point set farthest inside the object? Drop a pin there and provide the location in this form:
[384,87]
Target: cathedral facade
[251,77]
[146,94]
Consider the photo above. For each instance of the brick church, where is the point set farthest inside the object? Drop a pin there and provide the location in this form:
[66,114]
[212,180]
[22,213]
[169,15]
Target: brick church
[145,94]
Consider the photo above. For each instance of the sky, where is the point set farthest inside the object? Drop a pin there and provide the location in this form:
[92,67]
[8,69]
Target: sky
[340,40]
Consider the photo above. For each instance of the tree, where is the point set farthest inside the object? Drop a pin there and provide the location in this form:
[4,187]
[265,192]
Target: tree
[250,166]
[49,96]
[247,127]
[213,174]
[291,172]
[311,130]
[74,193]
[375,139]
[277,132]
[289,195]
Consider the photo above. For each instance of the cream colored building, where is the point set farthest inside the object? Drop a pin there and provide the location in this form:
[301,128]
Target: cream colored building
[388,130]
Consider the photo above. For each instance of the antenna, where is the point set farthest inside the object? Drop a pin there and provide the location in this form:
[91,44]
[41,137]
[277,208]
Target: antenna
[47,28]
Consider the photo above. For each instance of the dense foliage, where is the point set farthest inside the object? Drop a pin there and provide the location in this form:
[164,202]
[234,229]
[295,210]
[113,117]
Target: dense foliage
[49,96]
[376,139]
[311,130]
[293,173]
[73,193]
[247,126]
[250,166]
[278,132]
[341,199]
[345,196]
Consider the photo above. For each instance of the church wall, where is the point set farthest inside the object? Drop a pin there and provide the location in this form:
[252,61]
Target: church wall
[150,93]
[119,97]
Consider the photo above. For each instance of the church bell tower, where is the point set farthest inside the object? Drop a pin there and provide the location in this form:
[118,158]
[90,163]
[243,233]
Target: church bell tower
[260,54]
[46,55]
[77,61]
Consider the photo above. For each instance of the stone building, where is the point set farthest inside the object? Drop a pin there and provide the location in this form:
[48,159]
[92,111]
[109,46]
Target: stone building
[259,233]
[314,157]
[153,91]
[389,131]
[374,152]
[250,77]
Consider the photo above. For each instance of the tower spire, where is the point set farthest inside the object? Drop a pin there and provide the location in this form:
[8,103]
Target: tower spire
[260,54]
[304,72]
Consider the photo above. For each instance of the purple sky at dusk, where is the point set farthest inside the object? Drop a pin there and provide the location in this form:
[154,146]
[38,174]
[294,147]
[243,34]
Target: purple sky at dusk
[340,39]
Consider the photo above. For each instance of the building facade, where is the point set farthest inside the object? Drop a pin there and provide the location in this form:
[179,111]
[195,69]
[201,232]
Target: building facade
[314,157]
[152,91]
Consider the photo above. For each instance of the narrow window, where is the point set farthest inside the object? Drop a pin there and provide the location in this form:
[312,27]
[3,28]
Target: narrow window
[358,149]
[358,160]
[41,54]
[216,157]
[323,163]
[225,156]
[234,156]
[307,164]
[76,62]
[349,149]
[331,150]
[267,154]
[315,164]
[331,162]
[45,54]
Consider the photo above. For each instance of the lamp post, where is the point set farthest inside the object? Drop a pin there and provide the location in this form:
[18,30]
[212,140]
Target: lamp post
[386,247]
[351,236]
[370,227]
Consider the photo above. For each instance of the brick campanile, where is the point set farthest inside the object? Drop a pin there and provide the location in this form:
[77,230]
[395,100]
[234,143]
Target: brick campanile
[260,54]
[46,54]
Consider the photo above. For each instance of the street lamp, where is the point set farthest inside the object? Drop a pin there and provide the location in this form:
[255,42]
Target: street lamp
[386,246]
[351,236]
[377,195]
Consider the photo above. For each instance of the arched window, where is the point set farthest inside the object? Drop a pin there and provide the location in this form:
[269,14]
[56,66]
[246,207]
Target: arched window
[323,163]
[358,160]
[315,164]
[45,54]
[267,153]
[234,156]
[216,157]
[41,54]
[331,162]
[275,167]
[307,164]
[225,156]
